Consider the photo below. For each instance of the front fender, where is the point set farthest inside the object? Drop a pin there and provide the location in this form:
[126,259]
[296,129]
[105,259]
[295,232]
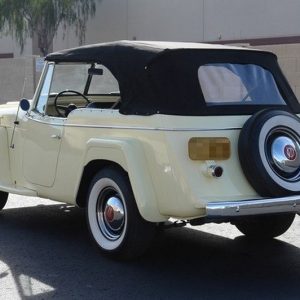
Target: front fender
[129,154]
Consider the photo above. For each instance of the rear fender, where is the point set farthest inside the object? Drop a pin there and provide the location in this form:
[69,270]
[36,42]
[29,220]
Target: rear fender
[129,154]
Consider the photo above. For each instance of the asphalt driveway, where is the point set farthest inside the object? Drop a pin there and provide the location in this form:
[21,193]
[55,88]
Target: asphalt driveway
[45,252]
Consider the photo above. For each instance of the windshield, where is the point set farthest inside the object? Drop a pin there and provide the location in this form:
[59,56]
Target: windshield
[243,84]
[69,77]
[76,77]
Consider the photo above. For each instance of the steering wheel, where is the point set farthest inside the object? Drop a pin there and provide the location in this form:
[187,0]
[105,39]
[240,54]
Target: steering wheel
[67,108]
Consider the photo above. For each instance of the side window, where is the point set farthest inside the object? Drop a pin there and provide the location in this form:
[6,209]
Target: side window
[44,93]
[106,84]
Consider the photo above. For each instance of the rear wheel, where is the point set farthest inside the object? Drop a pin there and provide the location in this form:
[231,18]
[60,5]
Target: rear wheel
[113,217]
[3,199]
[265,227]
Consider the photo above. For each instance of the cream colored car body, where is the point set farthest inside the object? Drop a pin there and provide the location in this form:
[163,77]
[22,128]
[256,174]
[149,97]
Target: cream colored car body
[46,157]
[49,155]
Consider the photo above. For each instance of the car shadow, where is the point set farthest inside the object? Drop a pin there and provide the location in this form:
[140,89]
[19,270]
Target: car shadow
[47,253]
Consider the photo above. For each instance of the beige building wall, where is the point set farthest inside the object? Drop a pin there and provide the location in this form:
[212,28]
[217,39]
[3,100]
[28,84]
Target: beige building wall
[248,19]
[9,45]
[109,24]
[172,20]
[188,20]
[17,78]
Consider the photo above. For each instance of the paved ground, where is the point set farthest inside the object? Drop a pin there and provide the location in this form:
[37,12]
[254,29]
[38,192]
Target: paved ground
[45,252]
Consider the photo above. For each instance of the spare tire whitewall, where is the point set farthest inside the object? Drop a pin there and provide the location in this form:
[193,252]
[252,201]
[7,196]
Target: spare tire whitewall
[269,152]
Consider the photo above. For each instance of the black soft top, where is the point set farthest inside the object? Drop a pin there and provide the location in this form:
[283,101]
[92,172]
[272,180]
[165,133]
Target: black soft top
[161,77]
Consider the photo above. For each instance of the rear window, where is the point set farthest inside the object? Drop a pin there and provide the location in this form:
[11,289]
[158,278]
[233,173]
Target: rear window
[239,84]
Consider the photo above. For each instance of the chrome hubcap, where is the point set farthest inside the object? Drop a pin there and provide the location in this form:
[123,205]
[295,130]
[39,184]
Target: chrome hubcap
[110,213]
[114,213]
[285,154]
[283,150]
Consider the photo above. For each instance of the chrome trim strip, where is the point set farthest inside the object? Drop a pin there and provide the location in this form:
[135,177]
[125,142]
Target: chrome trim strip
[131,127]
[35,119]
[151,128]
[253,207]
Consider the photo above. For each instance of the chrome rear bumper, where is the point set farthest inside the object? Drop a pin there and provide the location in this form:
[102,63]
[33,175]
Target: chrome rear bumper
[253,207]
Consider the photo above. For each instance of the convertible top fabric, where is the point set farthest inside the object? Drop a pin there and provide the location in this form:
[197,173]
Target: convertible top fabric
[158,77]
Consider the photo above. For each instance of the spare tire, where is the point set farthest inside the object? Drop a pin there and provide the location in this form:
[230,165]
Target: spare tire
[269,153]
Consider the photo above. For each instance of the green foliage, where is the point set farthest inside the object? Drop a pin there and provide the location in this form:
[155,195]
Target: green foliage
[26,18]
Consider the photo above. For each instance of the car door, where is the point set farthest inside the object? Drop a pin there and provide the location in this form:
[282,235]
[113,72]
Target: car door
[41,138]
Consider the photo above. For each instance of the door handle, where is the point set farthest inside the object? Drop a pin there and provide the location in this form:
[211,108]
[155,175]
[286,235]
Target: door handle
[56,136]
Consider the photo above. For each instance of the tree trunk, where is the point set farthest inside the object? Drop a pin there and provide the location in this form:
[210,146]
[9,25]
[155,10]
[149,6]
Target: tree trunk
[40,45]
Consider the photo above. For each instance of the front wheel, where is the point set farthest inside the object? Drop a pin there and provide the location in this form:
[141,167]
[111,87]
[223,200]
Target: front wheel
[113,217]
[3,199]
[265,227]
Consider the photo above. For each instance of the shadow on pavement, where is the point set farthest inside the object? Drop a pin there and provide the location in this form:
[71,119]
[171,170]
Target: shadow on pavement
[50,246]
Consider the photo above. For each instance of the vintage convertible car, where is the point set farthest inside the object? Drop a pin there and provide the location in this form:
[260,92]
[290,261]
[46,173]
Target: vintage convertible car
[139,133]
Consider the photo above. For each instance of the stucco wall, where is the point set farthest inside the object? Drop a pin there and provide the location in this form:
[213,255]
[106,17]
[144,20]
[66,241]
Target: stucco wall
[188,20]
[17,78]
[9,45]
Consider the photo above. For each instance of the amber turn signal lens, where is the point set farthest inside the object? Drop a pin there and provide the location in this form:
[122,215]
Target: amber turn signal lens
[209,148]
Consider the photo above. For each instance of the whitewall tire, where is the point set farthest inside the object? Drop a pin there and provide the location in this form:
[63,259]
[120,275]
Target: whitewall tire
[113,217]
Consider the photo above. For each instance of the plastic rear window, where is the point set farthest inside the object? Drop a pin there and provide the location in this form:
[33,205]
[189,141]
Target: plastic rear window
[238,84]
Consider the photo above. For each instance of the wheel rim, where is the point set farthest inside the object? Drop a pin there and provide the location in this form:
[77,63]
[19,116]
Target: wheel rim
[110,213]
[283,153]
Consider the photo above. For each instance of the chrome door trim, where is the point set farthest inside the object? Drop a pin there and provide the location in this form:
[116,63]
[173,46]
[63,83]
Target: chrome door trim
[128,127]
